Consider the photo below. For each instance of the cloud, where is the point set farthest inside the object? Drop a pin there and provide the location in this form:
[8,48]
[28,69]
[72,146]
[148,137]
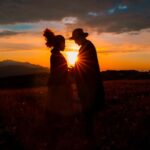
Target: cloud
[8,33]
[17,46]
[104,16]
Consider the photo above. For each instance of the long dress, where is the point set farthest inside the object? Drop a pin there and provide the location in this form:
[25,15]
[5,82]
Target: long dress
[59,89]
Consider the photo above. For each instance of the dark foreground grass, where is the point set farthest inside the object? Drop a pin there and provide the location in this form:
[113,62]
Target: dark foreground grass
[123,125]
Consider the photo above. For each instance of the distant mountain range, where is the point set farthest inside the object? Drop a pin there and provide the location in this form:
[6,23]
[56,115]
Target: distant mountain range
[10,68]
[14,68]
[23,74]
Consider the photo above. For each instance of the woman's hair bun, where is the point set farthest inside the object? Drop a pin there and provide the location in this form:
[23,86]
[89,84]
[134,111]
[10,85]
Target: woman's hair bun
[50,37]
[48,33]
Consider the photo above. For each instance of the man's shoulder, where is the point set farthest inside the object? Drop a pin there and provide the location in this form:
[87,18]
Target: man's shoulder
[87,46]
[90,44]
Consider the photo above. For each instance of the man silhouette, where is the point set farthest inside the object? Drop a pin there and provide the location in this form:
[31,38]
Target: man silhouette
[88,79]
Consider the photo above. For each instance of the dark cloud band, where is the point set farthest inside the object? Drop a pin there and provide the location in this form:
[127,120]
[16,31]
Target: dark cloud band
[8,33]
[105,16]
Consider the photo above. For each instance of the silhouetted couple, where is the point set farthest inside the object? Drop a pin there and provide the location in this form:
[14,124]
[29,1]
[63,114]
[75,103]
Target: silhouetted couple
[86,74]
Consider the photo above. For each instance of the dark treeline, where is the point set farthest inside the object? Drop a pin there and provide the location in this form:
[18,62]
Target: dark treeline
[24,81]
[40,79]
[125,74]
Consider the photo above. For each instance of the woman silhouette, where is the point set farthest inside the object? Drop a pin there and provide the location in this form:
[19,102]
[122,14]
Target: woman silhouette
[59,90]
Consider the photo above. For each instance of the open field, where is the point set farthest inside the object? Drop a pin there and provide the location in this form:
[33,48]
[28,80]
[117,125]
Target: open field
[122,125]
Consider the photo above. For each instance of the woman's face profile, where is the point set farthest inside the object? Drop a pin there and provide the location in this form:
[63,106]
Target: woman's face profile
[48,43]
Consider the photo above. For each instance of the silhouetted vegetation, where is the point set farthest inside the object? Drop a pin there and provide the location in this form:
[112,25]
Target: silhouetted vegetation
[122,125]
[125,74]
[40,79]
[24,81]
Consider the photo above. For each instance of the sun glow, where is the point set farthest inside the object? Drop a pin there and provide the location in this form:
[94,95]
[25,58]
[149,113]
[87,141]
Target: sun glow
[71,52]
[71,58]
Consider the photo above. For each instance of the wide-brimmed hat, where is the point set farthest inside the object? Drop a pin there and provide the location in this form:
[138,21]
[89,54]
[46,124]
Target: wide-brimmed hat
[78,33]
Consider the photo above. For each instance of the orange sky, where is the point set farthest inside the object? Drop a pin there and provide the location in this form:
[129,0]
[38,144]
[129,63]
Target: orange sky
[115,51]
[120,30]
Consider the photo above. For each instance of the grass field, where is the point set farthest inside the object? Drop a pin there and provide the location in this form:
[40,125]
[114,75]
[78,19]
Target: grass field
[122,125]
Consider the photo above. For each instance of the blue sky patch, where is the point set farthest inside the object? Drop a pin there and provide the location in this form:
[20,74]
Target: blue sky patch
[16,27]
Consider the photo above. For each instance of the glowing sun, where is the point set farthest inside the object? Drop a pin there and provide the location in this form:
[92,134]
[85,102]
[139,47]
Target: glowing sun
[72,58]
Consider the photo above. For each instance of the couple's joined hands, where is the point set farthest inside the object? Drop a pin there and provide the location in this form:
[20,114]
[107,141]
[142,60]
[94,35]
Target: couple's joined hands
[71,69]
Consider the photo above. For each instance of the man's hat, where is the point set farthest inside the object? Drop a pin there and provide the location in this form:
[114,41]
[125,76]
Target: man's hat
[78,33]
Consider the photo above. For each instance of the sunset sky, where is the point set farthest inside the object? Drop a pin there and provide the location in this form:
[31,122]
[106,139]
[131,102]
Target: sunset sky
[120,30]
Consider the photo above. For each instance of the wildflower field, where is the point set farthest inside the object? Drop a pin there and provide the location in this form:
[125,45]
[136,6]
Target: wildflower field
[123,124]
